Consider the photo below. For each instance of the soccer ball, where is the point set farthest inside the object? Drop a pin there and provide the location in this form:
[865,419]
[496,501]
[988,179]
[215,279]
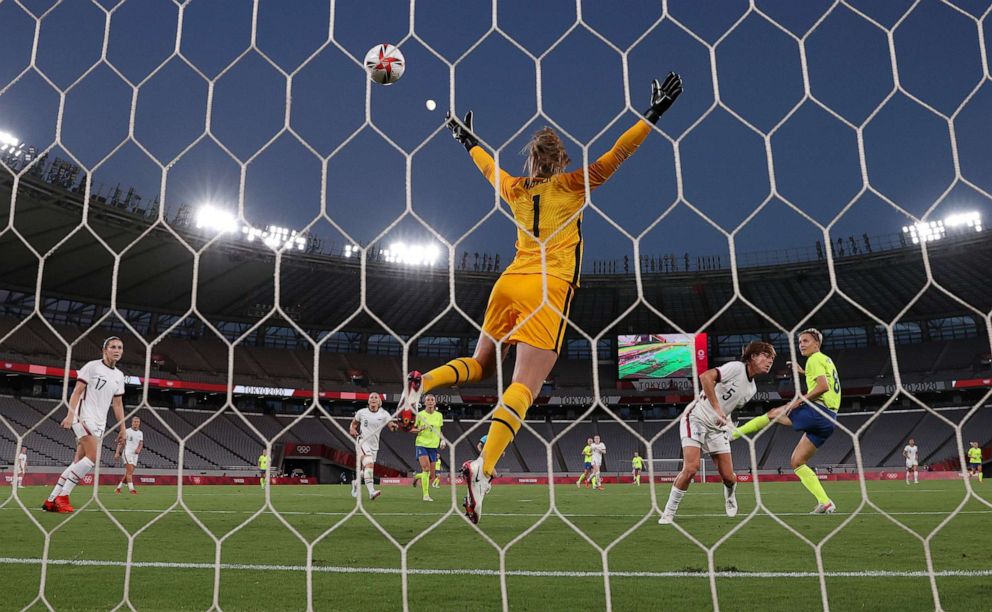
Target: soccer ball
[385,64]
[407,419]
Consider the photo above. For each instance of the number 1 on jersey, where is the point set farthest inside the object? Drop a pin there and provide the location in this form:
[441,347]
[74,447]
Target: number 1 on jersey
[537,216]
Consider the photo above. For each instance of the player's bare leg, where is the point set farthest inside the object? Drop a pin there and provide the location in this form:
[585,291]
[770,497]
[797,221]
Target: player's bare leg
[690,466]
[725,466]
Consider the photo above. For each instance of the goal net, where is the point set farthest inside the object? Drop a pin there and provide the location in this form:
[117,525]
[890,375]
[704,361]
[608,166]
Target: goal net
[811,138]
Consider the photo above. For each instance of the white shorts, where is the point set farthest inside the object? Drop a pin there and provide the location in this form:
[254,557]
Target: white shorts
[87,428]
[911,464]
[367,451]
[700,435]
[596,464]
[131,458]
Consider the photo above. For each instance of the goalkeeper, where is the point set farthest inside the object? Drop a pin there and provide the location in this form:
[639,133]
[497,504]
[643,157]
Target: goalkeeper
[814,414]
[529,304]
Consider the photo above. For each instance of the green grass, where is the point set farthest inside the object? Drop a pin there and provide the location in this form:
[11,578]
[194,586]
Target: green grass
[869,543]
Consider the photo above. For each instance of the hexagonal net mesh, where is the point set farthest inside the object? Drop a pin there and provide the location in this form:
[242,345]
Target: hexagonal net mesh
[34,19]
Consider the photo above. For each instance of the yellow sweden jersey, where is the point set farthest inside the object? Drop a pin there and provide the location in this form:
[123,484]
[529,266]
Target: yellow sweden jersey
[974,455]
[818,365]
[587,454]
[638,463]
[549,210]
[263,462]
[430,437]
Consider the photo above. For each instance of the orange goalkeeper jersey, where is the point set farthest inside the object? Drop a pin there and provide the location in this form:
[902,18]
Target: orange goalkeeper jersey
[550,210]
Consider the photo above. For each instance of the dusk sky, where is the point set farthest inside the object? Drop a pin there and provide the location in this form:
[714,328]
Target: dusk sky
[581,89]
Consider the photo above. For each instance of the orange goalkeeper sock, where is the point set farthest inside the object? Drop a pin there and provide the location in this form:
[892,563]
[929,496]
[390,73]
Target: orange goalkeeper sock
[455,372]
[507,419]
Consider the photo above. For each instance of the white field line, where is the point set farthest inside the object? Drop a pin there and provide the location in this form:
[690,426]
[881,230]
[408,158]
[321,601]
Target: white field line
[491,572]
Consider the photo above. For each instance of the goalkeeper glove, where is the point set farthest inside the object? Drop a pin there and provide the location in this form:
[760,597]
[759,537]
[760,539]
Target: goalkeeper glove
[663,96]
[462,132]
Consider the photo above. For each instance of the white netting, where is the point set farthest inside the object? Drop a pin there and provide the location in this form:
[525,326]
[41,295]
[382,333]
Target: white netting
[633,98]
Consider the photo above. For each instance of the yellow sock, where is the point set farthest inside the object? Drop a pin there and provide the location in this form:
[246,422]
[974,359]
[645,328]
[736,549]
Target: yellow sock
[808,477]
[424,482]
[506,422]
[455,372]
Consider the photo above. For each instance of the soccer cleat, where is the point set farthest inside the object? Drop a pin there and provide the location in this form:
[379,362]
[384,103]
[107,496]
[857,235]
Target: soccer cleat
[62,504]
[827,508]
[134,491]
[374,494]
[354,488]
[436,485]
[478,486]
[730,498]
[48,506]
[428,498]
[667,518]
[414,389]
[117,491]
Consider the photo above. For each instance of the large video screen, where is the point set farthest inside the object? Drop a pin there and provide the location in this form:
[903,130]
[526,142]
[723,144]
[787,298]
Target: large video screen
[660,355]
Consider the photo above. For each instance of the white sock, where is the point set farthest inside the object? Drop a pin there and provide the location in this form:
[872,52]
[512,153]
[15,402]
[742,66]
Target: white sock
[130,485]
[674,499]
[916,477]
[57,490]
[369,481]
[77,471]
[728,490]
[119,485]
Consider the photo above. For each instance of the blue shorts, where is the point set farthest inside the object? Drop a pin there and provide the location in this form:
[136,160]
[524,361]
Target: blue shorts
[430,453]
[974,466]
[817,427]
[587,465]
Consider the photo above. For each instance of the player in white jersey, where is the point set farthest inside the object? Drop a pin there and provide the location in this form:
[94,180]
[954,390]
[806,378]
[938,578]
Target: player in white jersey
[598,450]
[366,428]
[99,386]
[912,453]
[20,467]
[704,423]
[134,443]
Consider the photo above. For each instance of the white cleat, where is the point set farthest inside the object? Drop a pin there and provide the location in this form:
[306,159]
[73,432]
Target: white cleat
[667,518]
[374,494]
[730,498]
[827,508]
[354,488]
[478,486]
[414,389]
[428,498]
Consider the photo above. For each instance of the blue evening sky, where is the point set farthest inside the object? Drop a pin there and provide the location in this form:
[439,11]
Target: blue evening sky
[581,85]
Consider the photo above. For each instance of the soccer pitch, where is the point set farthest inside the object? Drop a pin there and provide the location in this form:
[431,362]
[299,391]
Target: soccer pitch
[872,563]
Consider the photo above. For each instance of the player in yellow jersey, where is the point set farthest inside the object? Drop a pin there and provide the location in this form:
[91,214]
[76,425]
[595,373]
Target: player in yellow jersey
[428,429]
[975,462]
[636,465]
[529,304]
[586,465]
[814,414]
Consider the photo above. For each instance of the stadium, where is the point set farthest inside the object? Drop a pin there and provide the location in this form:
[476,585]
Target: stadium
[259,315]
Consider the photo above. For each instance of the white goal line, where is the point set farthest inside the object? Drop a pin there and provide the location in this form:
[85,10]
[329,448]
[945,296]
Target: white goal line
[490,572]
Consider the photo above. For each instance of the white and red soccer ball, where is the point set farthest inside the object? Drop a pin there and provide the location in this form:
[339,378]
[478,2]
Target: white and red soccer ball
[385,64]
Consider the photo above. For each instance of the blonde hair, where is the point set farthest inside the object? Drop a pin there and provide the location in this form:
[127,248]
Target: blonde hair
[546,155]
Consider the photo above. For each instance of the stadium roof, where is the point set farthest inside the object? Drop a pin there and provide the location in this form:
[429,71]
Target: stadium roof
[235,280]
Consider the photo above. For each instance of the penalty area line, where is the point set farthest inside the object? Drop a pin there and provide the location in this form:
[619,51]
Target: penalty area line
[489,572]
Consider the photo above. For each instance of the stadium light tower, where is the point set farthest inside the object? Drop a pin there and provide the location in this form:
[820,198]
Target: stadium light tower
[412,254]
[930,231]
[8,140]
[215,219]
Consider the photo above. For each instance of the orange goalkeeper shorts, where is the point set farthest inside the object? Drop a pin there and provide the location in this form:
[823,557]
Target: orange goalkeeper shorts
[515,297]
